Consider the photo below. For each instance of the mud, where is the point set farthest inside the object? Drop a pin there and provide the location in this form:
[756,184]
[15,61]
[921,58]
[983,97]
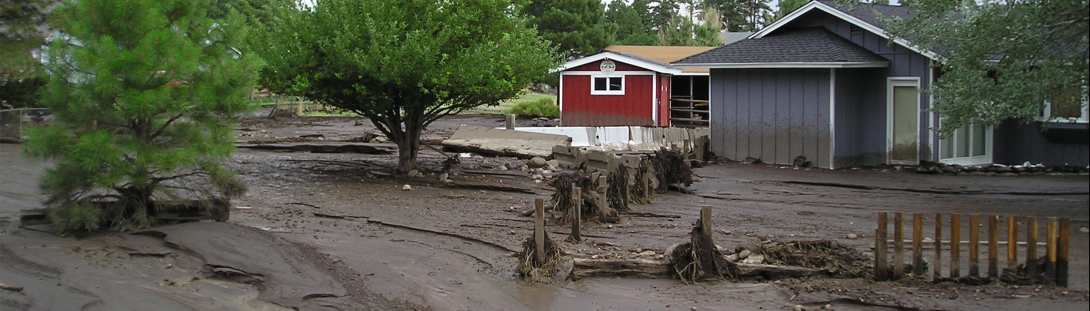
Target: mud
[336,231]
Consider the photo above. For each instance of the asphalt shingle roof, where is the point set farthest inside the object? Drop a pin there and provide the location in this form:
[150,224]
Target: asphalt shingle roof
[807,45]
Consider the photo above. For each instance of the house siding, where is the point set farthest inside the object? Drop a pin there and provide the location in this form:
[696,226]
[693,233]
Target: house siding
[1017,142]
[580,108]
[903,63]
[860,117]
[771,114]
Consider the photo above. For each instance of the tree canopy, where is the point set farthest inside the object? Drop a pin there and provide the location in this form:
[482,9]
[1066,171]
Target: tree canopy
[404,64]
[23,27]
[577,27]
[145,94]
[1002,60]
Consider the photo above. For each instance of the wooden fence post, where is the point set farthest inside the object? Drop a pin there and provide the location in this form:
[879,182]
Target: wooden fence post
[937,265]
[706,221]
[880,262]
[510,122]
[917,244]
[577,204]
[1012,245]
[993,246]
[899,245]
[955,246]
[1050,246]
[1031,247]
[974,245]
[603,198]
[1063,252]
[539,231]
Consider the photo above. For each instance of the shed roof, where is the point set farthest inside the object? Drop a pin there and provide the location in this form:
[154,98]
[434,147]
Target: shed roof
[789,48]
[662,54]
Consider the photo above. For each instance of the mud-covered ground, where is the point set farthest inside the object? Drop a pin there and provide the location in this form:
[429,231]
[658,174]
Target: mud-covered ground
[336,231]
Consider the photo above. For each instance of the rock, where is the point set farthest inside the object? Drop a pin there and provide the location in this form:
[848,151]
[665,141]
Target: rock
[512,166]
[536,177]
[414,173]
[744,254]
[553,163]
[852,236]
[379,140]
[801,161]
[406,187]
[754,259]
[1084,230]
[799,308]
[536,162]
[1003,169]
[503,168]
[948,169]
[646,254]
[443,177]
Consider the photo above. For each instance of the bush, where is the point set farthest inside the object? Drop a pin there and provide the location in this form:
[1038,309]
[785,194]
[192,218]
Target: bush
[542,107]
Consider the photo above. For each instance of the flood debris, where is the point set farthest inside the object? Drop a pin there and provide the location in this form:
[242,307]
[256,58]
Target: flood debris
[671,167]
[592,207]
[535,269]
[836,260]
[700,258]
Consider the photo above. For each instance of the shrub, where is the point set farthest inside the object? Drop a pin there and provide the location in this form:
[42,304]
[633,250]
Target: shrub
[542,107]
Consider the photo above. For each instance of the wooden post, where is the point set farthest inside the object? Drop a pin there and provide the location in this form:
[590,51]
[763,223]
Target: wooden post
[577,205]
[993,246]
[510,122]
[706,221]
[917,244]
[1012,244]
[1063,253]
[974,245]
[880,258]
[603,198]
[539,231]
[1031,247]
[1050,246]
[646,183]
[955,246]
[937,265]
[898,245]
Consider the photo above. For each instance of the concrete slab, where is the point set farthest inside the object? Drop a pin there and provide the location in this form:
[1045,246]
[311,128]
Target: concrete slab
[505,142]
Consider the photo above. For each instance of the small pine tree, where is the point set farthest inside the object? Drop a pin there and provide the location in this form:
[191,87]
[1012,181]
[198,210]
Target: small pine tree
[145,94]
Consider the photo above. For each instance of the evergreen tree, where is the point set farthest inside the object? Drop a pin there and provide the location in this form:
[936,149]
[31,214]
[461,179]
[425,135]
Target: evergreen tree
[23,27]
[145,94]
[743,15]
[788,6]
[577,27]
[633,22]
[404,64]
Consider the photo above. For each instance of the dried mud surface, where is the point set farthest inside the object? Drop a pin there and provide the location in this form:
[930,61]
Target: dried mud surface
[336,232]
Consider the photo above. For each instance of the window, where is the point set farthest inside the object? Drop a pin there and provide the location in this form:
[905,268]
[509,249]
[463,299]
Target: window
[1073,110]
[605,85]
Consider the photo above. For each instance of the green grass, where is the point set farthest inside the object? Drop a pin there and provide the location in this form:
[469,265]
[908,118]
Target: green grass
[506,105]
[500,109]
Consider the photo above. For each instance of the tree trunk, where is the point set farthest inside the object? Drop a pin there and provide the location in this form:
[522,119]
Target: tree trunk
[407,148]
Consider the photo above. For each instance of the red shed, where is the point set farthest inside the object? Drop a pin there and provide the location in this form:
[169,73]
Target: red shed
[629,88]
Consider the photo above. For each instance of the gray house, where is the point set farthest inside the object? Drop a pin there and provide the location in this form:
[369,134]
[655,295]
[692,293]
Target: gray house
[826,84]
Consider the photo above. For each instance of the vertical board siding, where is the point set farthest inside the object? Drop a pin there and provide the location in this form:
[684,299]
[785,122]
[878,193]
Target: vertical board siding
[771,114]
[1017,142]
[583,109]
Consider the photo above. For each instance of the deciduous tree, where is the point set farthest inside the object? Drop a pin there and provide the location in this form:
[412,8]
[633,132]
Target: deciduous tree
[404,64]
[1002,59]
[145,94]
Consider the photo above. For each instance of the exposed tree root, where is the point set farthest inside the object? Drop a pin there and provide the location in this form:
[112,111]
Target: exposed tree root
[700,259]
[529,267]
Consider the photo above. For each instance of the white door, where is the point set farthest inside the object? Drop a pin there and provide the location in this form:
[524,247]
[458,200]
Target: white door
[903,127]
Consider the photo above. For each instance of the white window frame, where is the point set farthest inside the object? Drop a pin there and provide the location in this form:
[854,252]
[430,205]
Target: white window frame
[1046,113]
[607,91]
